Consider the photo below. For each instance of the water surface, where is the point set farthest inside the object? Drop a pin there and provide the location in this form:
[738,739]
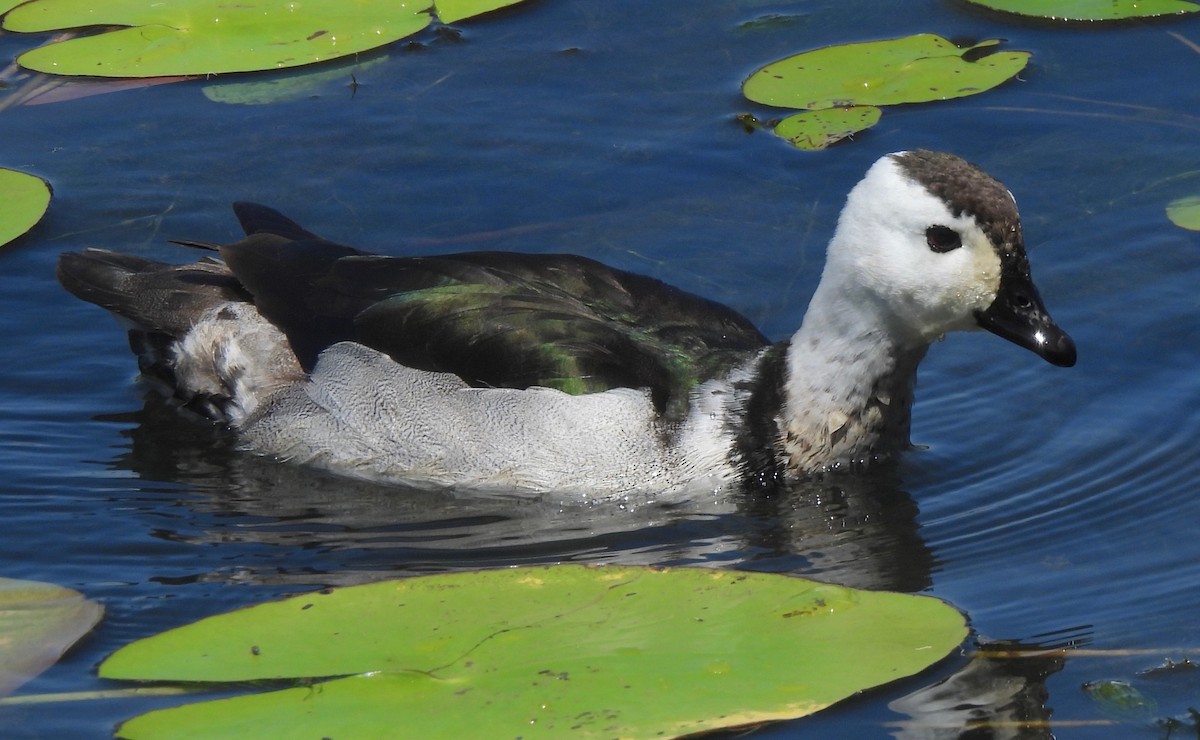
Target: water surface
[1053,506]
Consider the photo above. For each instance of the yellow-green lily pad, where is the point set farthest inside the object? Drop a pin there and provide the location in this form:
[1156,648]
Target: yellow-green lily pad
[913,69]
[818,129]
[1185,212]
[38,622]
[200,37]
[452,11]
[1090,10]
[541,652]
[203,37]
[23,201]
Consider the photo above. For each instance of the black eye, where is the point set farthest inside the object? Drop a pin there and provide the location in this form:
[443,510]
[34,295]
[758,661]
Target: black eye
[942,238]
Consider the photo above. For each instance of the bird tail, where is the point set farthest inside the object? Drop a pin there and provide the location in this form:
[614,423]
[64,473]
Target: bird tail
[150,295]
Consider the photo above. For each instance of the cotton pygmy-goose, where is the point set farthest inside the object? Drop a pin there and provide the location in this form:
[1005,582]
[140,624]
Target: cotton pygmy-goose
[531,373]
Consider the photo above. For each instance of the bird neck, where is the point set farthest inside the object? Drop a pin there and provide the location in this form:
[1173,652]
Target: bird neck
[847,386]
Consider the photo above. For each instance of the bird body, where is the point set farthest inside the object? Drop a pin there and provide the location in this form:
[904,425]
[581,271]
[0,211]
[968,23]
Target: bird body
[534,373]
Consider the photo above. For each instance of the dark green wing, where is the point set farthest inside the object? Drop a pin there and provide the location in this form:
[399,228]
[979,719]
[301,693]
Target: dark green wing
[493,318]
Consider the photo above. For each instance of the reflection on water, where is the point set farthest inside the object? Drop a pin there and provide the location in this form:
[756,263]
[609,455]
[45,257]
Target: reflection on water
[853,530]
[999,694]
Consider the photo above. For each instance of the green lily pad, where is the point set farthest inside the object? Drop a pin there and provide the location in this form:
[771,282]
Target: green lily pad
[452,11]
[818,129]
[1185,212]
[23,201]
[548,651]
[200,37]
[38,622]
[203,37]
[913,69]
[7,5]
[1090,10]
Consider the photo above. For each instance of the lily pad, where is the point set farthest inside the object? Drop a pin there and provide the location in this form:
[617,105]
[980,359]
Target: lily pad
[203,37]
[452,11]
[200,37]
[38,622]
[1090,10]
[23,201]
[913,69]
[819,129]
[546,652]
[1185,212]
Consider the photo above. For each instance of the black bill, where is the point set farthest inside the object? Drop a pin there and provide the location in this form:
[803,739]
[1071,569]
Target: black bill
[1019,316]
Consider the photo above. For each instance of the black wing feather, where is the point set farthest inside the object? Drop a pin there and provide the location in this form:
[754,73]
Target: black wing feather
[493,318]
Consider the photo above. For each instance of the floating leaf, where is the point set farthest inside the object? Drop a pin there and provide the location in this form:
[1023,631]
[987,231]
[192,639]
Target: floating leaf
[23,200]
[200,37]
[550,651]
[913,69]
[1090,10]
[452,11]
[818,129]
[1185,212]
[38,622]
[7,5]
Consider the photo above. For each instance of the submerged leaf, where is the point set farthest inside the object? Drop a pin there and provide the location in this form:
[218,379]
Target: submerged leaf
[1118,698]
[912,69]
[198,37]
[38,622]
[631,652]
[818,129]
[289,86]
[1185,212]
[23,200]
[1090,10]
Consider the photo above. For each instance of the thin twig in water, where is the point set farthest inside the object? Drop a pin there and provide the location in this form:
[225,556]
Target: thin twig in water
[105,694]
[1152,115]
[1185,41]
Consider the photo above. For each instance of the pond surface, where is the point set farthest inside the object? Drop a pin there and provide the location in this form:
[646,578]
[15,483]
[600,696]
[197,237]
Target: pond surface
[1055,507]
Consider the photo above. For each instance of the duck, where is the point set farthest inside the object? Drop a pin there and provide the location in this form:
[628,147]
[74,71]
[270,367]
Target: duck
[531,374]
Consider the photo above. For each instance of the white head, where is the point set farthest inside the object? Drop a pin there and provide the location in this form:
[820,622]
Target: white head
[932,244]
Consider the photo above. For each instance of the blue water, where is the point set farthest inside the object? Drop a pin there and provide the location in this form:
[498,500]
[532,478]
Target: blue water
[1054,507]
